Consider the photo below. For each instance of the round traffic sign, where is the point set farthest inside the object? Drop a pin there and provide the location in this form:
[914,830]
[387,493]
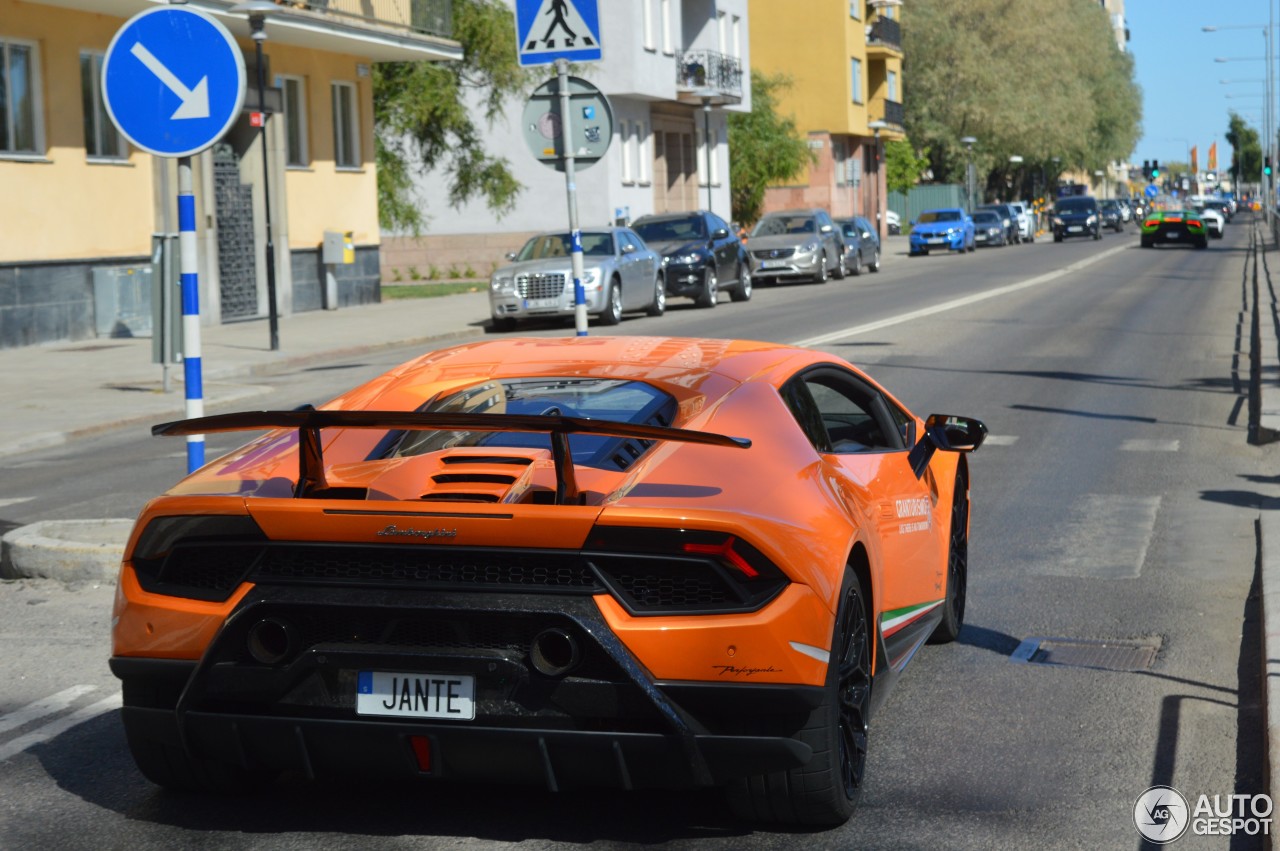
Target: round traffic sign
[173,80]
[590,123]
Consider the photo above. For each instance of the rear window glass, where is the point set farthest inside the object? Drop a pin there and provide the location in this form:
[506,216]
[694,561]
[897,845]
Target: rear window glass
[595,398]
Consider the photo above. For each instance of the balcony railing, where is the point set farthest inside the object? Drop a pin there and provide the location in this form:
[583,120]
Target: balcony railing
[894,114]
[429,17]
[887,32]
[709,70]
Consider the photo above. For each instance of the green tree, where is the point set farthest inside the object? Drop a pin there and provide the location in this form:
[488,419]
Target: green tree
[1035,80]
[1246,150]
[764,146]
[424,117]
[902,167]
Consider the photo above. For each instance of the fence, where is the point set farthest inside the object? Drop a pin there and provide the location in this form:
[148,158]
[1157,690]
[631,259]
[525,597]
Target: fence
[910,205]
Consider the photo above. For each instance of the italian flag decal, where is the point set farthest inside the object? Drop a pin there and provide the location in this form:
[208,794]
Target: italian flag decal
[891,622]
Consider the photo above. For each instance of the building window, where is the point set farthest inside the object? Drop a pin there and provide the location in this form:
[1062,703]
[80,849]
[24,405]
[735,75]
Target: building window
[722,32]
[346,126]
[855,9]
[624,138]
[20,109]
[101,138]
[855,79]
[737,37]
[295,120]
[643,157]
[666,26]
[892,85]
[646,23]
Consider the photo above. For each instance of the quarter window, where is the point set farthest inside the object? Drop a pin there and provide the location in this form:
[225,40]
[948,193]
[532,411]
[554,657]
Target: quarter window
[101,138]
[346,126]
[20,107]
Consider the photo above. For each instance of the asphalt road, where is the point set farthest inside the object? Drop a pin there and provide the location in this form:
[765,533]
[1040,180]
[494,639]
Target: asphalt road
[1116,502]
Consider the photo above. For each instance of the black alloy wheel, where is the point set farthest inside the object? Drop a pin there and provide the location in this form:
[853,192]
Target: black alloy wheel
[957,566]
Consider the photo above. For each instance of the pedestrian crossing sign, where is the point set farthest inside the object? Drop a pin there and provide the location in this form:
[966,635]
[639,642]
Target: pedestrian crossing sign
[547,30]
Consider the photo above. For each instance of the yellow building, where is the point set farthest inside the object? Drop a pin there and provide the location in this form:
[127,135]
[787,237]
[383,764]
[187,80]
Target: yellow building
[87,211]
[845,63]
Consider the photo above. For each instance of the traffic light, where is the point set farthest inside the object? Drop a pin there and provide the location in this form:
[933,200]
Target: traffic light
[1155,169]
[1266,166]
[1146,169]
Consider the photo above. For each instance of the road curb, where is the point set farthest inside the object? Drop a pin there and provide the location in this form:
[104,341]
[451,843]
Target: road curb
[1269,577]
[68,550]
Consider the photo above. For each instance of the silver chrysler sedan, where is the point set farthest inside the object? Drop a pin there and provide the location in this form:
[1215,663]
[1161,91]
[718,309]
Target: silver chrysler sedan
[619,273]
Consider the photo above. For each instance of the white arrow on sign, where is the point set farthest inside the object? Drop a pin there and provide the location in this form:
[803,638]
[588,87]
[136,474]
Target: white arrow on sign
[195,102]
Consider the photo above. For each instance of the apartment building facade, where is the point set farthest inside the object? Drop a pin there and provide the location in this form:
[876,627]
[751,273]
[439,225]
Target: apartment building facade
[845,63]
[92,213]
[672,70]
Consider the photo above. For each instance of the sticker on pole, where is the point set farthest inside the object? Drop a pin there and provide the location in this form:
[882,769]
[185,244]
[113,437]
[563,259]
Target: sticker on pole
[547,30]
[173,80]
[590,123]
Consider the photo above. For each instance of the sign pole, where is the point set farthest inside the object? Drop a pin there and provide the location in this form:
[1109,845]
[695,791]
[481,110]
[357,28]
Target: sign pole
[571,190]
[189,265]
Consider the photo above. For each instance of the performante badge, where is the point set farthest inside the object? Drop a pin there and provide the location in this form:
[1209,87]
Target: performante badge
[394,531]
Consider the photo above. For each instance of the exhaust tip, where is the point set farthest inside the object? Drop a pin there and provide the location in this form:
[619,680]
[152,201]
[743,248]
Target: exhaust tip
[554,653]
[272,641]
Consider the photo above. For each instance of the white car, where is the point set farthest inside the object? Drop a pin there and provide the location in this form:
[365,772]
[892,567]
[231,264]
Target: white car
[892,222]
[1026,221]
[1214,222]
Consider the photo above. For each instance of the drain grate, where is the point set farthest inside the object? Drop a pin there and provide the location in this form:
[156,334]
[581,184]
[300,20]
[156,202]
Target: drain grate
[1083,653]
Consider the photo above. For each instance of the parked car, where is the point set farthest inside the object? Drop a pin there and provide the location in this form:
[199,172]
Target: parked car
[988,228]
[1012,226]
[1174,227]
[1026,221]
[948,228]
[1112,215]
[892,223]
[620,273]
[1077,215]
[701,255]
[1215,224]
[795,244]
[861,244]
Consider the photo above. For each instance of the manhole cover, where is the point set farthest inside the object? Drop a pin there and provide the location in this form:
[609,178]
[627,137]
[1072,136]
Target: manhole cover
[1083,653]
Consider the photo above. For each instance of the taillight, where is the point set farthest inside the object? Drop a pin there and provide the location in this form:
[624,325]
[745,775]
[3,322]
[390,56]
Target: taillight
[200,557]
[682,571]
[1151,223]
[1195,223]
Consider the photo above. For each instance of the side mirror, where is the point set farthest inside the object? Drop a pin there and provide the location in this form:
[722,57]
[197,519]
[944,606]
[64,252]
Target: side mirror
[719,233]
[948,433]
[510,255]
[628,248]
[825,229]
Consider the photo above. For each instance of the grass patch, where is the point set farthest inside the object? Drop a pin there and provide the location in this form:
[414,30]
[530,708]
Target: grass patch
[431,290]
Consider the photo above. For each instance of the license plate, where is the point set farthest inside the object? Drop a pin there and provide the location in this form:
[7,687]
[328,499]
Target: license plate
[540,303]
[1171,234]
[402,695]
[769,264]
[937,240]
[1075,228]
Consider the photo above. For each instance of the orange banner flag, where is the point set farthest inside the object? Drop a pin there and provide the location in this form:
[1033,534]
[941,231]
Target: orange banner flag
[1195,165]
[1213,157]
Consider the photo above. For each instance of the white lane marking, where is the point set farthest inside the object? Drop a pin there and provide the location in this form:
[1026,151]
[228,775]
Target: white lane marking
[1105,537]
[50,705]
[5,503]
[1000,440]
[1151,445]
[57,728]
[855,330]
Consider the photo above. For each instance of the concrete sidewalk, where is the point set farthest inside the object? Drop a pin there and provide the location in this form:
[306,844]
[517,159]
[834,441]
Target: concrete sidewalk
[56,392]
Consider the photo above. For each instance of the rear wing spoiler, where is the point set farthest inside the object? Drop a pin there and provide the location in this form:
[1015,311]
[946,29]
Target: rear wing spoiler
[311,476]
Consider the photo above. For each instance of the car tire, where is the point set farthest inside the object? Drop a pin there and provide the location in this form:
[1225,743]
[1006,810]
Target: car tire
[1202,242]
[1147,243]
[856,269]
[826,791]
[504,324]
[823,275]
[710,292]
[659,305]
[742,292]
[957,564]
[842,269]
[874,265]
[1057,237]
[612,313]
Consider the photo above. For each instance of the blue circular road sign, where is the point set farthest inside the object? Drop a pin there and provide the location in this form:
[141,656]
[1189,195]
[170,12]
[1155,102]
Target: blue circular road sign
[1151,191]
[173,80]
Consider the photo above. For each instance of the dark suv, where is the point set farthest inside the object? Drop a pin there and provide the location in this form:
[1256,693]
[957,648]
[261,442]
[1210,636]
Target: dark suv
[1012,229]
[1078,215]
[700,255]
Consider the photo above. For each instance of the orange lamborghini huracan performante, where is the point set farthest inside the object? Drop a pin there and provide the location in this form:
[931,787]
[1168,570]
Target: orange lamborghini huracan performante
[621,561]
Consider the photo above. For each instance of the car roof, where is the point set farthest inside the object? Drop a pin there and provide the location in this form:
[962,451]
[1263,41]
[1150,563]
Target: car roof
[663,217]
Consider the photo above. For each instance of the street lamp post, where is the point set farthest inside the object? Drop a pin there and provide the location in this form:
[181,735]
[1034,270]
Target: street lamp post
[968,142]
[257,11]
[876,126]
[706,139]
[1269,106]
